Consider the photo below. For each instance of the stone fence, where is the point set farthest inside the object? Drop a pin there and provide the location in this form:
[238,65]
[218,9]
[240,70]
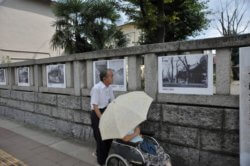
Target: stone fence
[196,130]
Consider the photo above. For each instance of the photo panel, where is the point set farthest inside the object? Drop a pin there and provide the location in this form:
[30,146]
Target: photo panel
[98,66]
[23,78]
[118,66]
[2,76]
[56,76]
[186,74]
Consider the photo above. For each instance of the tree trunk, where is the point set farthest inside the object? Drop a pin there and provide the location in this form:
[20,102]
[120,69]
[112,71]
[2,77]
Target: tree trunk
[160,32]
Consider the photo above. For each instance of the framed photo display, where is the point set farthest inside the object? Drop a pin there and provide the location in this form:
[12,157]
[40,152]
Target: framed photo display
[98,66]
[56,76]
[23,78]
[186,74]
[2,77]
[118,66]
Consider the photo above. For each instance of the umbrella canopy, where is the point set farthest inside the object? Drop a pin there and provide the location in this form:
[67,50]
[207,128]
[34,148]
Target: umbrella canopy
[124,114]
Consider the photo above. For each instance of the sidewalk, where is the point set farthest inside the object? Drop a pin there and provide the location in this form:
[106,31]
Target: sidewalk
[38,148]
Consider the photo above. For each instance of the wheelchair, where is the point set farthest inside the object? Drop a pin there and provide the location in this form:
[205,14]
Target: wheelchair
[127,153]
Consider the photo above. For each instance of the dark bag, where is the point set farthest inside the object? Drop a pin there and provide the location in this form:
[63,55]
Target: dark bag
[148,147]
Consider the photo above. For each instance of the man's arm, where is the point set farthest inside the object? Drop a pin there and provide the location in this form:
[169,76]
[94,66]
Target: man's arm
[97,111]
[95,101]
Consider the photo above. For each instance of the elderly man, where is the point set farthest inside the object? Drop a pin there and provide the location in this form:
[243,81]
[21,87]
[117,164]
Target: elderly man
[101,96]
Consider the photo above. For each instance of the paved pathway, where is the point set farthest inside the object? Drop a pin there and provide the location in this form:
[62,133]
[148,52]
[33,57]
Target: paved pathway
[38,148]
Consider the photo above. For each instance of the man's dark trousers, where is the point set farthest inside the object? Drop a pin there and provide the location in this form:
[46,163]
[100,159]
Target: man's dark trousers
[102,147]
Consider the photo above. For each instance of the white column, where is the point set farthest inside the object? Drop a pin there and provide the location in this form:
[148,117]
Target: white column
[151,75]
[134,73]
[89,74]
[223,71]
[245,106]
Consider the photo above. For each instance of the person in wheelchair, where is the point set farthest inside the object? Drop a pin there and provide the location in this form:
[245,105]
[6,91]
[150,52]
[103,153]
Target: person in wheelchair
[152,152]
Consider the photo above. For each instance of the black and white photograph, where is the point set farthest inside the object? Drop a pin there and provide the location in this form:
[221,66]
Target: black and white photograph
[56,76]
[23,76]
[2,77]
[97,67]
[186,74]
[118,66]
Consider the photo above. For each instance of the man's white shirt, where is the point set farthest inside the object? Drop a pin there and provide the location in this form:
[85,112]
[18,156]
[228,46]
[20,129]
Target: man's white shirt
[101,95]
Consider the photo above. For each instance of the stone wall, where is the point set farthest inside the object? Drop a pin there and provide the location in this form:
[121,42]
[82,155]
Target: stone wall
[63,114]
[197,135]
[196,130]
[194,135]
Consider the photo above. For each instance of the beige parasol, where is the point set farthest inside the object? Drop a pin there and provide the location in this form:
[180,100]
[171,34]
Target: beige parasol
[124,114]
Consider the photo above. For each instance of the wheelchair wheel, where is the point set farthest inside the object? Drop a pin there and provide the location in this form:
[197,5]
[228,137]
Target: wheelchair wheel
[116,160]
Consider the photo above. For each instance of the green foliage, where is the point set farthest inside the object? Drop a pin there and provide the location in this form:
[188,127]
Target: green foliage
[85,25]
[166,20]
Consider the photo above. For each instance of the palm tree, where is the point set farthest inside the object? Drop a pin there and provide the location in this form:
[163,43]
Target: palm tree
[86,25]
[100,17]
[68,35]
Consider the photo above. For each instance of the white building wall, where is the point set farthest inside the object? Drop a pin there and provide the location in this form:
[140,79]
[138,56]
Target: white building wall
[25,29]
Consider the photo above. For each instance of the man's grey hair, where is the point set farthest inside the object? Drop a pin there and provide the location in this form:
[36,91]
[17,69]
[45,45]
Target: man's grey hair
[104,73]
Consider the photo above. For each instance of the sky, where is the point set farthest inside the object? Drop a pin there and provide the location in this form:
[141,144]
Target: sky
[214,6]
